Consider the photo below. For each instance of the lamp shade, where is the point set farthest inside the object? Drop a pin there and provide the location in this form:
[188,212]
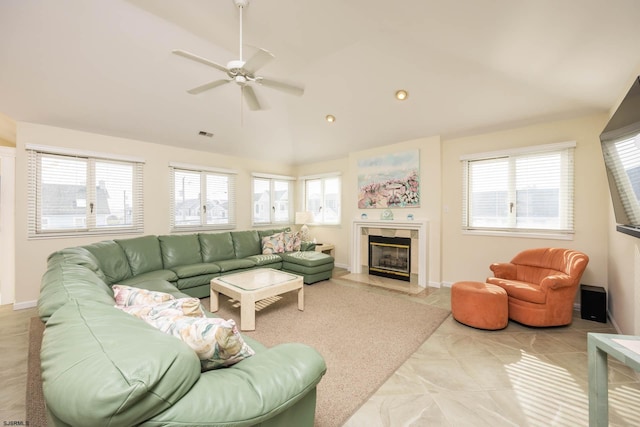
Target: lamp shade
[304,217]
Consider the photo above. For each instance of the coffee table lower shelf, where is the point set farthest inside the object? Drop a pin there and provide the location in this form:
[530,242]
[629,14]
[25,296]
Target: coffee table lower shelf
[252,286]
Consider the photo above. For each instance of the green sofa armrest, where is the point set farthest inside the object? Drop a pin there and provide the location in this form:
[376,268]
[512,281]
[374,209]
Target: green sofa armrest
[102,366]
[279,377]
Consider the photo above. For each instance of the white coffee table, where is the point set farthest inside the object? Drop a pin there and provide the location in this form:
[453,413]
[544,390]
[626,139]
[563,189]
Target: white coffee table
[252,286]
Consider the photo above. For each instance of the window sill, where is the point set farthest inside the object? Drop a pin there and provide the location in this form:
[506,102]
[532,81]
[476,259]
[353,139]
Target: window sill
[80,234]
[519,234]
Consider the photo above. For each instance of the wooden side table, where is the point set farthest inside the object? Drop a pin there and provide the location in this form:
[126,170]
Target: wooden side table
[625,348]
[326,249]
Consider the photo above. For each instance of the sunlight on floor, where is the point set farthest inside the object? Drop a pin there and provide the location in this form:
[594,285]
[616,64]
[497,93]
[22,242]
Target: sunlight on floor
[542,387]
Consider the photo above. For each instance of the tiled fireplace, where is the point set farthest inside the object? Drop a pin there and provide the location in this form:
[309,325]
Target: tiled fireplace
[415,230]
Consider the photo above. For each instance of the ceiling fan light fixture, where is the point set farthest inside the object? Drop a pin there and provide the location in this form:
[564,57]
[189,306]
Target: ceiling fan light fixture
[401,95]
[330,118]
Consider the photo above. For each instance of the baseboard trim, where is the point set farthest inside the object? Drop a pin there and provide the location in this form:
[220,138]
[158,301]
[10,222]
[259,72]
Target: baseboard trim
[24,305]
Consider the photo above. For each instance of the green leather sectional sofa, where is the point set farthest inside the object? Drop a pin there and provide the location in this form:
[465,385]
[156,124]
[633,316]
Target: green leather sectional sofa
[104,367]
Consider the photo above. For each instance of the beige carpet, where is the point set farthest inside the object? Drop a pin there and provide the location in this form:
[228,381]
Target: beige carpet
[363,335]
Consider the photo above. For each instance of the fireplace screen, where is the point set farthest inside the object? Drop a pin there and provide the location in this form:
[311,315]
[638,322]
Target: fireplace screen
[390,257]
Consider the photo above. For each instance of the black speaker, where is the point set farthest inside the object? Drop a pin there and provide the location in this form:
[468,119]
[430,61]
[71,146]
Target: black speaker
[593,303]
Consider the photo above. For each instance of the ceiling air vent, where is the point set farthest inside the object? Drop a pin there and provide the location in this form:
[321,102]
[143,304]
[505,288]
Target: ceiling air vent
[207,134]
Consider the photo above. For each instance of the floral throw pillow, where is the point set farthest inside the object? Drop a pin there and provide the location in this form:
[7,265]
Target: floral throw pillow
[128,295]
[292,241]
[274,244]
[217,342]
[178,307]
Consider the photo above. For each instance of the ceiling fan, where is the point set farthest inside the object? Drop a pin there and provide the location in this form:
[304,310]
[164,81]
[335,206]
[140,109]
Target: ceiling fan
[243,73]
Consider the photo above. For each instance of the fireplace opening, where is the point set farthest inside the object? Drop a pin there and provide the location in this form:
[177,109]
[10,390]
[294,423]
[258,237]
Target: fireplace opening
[390,257]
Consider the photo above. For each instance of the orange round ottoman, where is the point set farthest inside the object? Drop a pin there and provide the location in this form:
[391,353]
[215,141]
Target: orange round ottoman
[481,305]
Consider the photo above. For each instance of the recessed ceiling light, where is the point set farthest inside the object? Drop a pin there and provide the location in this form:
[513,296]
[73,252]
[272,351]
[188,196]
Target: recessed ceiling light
[402,94]
[330,118]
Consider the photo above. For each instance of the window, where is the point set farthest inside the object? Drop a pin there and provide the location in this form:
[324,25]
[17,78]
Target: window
[202,198]
[322,198]
[622,157]
[80,192]
[272,199]
[523,190]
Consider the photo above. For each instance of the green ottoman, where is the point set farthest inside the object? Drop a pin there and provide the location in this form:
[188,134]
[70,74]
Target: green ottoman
[312,266]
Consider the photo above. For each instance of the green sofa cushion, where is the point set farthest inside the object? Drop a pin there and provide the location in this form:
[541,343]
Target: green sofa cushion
[113,261]
[269,260]
[196,281]
[143,254]
[196,269]
[307,259]
[235,264]
[216,246]
[180,250]
[159,285]
[99,357]
[246,243]
[167,275]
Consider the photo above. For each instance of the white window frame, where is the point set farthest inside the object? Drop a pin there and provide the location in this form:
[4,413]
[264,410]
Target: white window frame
[203,172]
[87,224]
[565,230]
[319,214]
[272,180]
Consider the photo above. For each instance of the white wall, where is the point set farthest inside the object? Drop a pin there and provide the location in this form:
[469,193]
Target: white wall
[31,254]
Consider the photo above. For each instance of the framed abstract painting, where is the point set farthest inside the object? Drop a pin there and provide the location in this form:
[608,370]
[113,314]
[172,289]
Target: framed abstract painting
[389,181]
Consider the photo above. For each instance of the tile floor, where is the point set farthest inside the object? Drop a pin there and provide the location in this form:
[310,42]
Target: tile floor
[460,376]
[518,376]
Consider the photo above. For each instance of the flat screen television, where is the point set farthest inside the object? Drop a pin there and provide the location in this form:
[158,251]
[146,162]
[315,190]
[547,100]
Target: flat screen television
[620,141]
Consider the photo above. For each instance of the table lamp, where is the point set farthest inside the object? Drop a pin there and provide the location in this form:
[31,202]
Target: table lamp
[304,218]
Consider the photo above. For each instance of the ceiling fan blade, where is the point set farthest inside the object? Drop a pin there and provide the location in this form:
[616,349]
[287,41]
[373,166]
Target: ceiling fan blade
[261,58]
[207,86]
[199,59]
[279,85]
[250,96]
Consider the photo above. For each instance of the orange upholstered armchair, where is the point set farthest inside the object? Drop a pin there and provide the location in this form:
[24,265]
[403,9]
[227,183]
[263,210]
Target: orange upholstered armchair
[541,285]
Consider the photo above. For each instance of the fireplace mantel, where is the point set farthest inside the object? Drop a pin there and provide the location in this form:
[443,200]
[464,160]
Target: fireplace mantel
[421,226]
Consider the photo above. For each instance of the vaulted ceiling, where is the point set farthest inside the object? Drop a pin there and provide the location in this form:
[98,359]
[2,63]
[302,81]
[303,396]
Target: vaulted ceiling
[469,66]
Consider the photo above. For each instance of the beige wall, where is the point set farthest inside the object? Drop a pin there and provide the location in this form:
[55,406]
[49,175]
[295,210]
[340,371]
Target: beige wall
[334,234]
[31,254]
[615,258]
[430,195]
[467,257]
[7,131]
